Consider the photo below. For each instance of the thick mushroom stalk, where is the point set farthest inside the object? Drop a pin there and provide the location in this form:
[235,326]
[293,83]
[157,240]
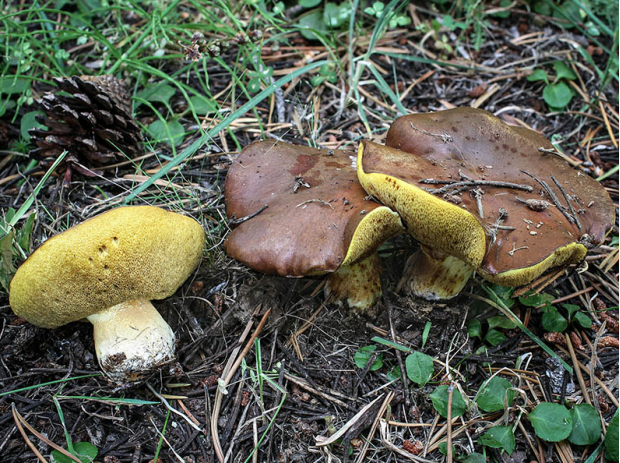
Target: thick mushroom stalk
[434,276]
[358,284]
[131,338]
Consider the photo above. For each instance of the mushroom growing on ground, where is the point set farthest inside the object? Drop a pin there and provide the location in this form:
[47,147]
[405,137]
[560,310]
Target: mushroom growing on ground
[299,211]
[481,195]
[107,269]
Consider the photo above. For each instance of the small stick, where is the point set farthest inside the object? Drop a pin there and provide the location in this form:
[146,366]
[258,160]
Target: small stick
[478,195]
[320,201]
[567,198]
[468,183]
[449,423]
[515,249]
[444,137]
[552,195]
[234,221]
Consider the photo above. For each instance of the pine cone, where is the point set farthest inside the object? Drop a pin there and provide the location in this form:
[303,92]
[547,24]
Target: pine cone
[93,123]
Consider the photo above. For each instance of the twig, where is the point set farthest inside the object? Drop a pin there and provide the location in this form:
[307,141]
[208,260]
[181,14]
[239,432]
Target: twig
[537,205]
[551,195]
[444,137]
[234,221]
[172,409]
[373,429]
[449,423]
[29,443]
[567,198]
[468,183]
[320,201]
[323,441]
[477,192]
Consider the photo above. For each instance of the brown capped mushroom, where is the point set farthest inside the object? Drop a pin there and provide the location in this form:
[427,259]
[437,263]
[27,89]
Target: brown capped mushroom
[496,197]
[107,269]
[299,211]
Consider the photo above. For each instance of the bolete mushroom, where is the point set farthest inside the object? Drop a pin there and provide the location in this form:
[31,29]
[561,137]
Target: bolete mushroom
[299,211]
[107,269]
[481,195]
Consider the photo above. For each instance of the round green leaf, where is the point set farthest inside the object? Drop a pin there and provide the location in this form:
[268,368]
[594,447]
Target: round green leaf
[553,321]
[562,71]
[85,451]
[538,74]
[495,337]
[419,367]
[311,22]
[501,322]
[472,458]
[586,425]
[202,105]
[170,132]
[557,95]
[499,437]
[492,394]
[439,397]
[362,356]
[474,328]
[583,320]
[158,93]
[552,422]
[309,3]
[611,440]
[28,122]
[11,84]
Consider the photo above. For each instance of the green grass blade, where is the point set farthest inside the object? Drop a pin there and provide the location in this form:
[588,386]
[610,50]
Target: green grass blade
[49,383]
[190,150]
[385,88]
[609,173]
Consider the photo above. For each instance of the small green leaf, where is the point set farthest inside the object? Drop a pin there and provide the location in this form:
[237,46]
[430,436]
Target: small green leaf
[535,300]
[10,85]
[309,3]
[85,451]
[394,373]
[499,437]
[611,440]
[505,13]
[254,85]
[474,328]
[562,71]
[472,458]
[552,422]
[537,75]
[494,337]
[159,131]
[443,448]
[335,15]
[557,95]
[311,22]
[553,321]
[586,425]
[491,396]
[419,368]
[362,356]
[28,122]
[439,397]
[502,295]
[501,322]
[583,320]
[202,105]
[157,93]
[571,309]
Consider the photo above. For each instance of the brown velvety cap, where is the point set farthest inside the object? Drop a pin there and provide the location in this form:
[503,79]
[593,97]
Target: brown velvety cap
[133,252]
[433,150]
[316,218]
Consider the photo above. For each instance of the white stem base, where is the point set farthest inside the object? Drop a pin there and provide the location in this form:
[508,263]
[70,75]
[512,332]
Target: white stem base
[131,339]
[435,277]
[359,284]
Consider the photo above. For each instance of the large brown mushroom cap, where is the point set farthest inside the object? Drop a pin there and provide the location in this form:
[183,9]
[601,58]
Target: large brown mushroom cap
[128,253]
[317,217]
[431,151]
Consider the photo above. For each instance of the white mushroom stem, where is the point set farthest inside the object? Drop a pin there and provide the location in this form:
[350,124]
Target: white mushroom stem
[131,339]
[359,284]
[435,276]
